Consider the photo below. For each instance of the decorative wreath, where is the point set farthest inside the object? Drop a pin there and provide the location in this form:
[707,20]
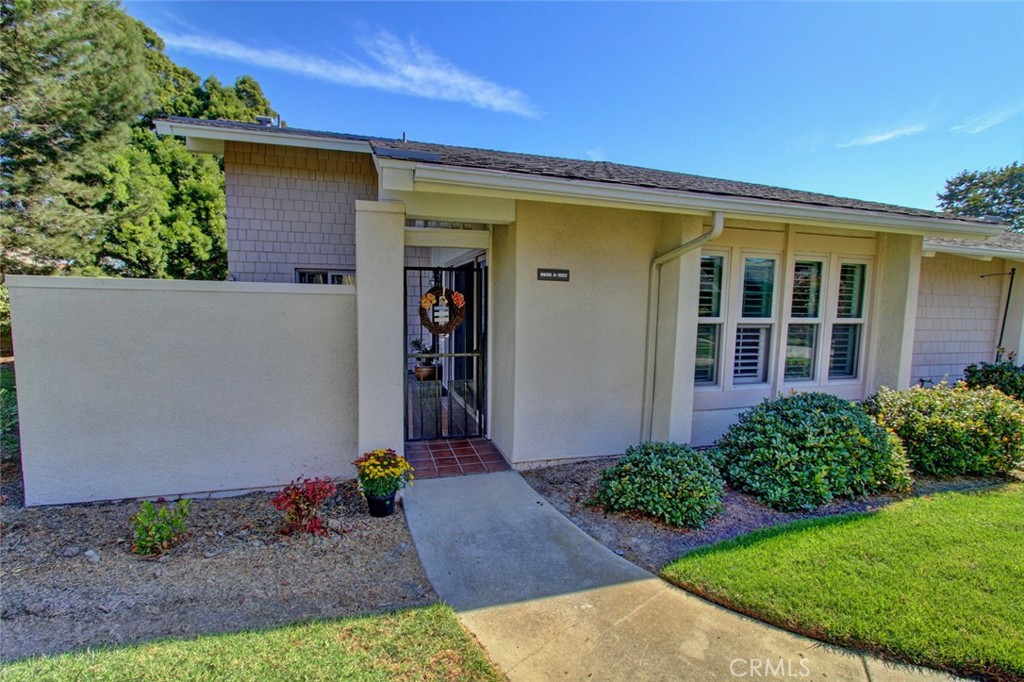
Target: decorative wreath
[439,296]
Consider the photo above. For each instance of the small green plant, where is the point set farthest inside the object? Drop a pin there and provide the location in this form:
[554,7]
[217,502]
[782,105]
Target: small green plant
[8,424]
[954,431]
[668,481]
[805,449]
[420,347]
[157,529]
[1006,375]
[300,502]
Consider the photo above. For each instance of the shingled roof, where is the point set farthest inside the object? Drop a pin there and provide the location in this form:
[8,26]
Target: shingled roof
[1009,243]
[576,169]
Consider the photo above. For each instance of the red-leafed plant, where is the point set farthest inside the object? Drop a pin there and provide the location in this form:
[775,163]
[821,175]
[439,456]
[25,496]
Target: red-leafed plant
[300,501]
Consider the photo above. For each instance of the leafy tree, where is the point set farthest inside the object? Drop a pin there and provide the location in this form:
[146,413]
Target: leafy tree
[72,80]
[166,212]
[995,192]
[165,205]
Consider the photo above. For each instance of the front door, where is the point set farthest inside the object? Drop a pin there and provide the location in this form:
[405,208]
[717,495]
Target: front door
[446,319]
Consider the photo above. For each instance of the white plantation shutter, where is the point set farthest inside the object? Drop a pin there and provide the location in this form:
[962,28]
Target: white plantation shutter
[750,363]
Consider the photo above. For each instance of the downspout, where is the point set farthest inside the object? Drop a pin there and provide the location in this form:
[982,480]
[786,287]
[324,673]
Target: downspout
[653,294]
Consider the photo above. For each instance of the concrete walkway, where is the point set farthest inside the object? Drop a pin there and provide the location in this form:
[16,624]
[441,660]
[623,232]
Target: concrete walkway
[548,602]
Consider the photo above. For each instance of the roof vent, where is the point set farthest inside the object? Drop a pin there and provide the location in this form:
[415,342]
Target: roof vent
[265,121]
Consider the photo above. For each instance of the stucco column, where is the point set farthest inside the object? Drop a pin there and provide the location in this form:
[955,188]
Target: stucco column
[894,318]
[380,273]
[672,417]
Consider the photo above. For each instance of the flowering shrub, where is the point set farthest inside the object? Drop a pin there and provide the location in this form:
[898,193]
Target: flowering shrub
[1005,375]
[954,431]
[672,482]
[382,472]
[300,501]
[805,449]
[159,529]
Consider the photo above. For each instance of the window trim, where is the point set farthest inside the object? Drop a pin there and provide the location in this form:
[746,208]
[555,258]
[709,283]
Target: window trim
[865,313]
[726,393]
[718,320]
[734,320]
[327,272]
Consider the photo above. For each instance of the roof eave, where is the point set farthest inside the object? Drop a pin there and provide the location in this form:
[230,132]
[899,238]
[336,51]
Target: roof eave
[460,180]
[979,251]
[194,131]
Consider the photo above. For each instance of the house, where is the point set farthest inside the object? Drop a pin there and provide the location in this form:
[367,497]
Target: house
[568,308]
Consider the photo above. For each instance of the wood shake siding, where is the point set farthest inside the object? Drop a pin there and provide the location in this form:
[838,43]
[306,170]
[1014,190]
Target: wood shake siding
[289,208]
[958,316]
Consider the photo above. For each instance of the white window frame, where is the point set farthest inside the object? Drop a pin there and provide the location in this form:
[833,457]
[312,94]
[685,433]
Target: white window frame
[838,260]
[718,320]
[734,320]
[726,392]
[818,321]
[331,275]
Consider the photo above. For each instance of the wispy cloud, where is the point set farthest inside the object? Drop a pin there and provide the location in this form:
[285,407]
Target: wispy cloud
[877,138]
[407,68]
[597,154]
[983,122]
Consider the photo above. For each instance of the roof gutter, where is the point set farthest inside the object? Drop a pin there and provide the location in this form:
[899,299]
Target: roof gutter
[653,296]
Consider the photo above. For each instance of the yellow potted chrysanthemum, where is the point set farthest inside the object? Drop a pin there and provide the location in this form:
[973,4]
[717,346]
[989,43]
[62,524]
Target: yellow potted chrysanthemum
[382,473]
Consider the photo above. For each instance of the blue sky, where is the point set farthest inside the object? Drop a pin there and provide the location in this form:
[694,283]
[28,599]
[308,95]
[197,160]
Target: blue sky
[871,100]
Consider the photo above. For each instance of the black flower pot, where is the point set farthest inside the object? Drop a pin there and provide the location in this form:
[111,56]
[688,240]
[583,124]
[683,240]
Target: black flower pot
[383,505]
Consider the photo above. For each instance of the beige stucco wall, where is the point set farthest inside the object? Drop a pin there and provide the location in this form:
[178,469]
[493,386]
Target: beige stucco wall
[568,359]
[289,207]
[958,316]
[143,388]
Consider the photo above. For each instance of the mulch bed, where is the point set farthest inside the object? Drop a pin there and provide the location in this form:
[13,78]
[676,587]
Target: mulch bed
[651,544]
[70,579]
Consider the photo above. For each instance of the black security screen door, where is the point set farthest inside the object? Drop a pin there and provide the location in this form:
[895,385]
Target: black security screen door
[445,331]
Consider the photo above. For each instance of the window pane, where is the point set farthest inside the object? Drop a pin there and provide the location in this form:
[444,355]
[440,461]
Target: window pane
[710,303]
[342,278]
[750,364]
[707,354]
[801,341]
[806,289]
[845,351]
[851,290]
[758,282]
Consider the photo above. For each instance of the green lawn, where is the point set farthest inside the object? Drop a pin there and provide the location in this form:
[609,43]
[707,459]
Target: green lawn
[933,580]
[419,644]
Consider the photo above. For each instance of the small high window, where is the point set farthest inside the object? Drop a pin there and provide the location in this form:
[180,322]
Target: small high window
[304,276]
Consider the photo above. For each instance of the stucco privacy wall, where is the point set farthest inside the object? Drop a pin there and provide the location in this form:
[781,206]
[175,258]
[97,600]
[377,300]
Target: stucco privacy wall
[958,316]
[289,207]
[142,388]
[575,385]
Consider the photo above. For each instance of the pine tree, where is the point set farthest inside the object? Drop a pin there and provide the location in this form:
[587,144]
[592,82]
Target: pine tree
[72,80]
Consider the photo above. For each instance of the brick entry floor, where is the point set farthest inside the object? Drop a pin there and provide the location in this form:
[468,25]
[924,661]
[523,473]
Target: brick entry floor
[454,457]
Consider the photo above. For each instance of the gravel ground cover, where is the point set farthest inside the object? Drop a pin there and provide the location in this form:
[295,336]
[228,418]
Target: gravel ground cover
[651,544]
[69,579]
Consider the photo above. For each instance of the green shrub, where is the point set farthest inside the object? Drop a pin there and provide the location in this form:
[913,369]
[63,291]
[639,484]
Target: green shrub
[159,529]
[8,423]
[954,431]
[1005,375]
[671,482]
[806,449]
